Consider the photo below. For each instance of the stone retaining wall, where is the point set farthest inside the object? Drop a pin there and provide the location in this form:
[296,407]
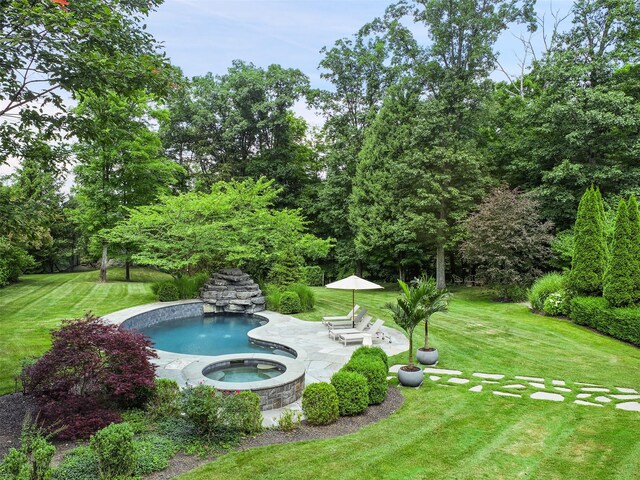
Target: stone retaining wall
[232,291]
[280,396]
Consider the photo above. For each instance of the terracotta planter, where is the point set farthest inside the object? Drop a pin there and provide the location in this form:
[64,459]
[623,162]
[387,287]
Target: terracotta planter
[410,378]
[427,357]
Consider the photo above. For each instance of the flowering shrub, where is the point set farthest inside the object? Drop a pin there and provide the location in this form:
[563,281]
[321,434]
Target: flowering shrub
[557,304]
[91,370]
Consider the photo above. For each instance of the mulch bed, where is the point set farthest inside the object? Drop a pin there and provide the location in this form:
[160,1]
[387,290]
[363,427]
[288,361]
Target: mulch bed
[14,407]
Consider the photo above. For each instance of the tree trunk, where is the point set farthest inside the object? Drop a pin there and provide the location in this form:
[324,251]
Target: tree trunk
[359,268]
[401,273]
[426,334]
[103,263]
[127,268]
[440,280]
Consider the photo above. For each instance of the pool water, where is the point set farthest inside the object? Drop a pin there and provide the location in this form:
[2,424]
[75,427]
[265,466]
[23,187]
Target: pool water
[208,335]
[244,373]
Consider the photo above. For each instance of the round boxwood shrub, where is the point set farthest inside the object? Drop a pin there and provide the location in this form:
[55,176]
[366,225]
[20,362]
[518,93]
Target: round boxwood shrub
[114,448]
[168,292]
[290,302]
[376,374]
[375,352]
[353,392]
[320,404]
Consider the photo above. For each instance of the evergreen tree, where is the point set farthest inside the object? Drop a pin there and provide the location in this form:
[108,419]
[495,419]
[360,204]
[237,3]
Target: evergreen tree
[634,228]
[617,283]
[590,250]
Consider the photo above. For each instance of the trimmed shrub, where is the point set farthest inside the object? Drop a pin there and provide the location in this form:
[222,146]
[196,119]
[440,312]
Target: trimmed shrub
[81,463]
[114,448]
[590,246]
[312,275]
[91,370]
[290,303]
[374,371]
[375,352]
[305,294]
[168,291]
[618,278]
[557,304]
[542,288]
[165,399]
[634,229]
[241,412]
[320,404]
[620,323]
[353,392]
[289,420]
[201,405]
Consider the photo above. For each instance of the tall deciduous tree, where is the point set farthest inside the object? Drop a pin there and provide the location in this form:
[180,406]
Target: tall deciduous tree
[590,246]
[618,279]
[507,241]
[120,164]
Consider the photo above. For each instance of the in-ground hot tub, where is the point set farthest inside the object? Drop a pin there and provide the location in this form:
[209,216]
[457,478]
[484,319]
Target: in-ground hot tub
[224,351]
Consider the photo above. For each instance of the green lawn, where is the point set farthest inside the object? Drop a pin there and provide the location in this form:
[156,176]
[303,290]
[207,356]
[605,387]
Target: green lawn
[31,308]
[448,432]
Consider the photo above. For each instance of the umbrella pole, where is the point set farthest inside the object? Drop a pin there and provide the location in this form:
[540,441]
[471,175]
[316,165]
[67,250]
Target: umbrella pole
[353,307]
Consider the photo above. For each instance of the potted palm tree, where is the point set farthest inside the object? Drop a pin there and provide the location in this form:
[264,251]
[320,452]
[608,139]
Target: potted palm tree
[435,300]
[408,312]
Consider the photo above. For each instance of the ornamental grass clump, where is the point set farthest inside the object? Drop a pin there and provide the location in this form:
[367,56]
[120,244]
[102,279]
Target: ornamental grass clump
[320,404]
[353,392]
[542,288]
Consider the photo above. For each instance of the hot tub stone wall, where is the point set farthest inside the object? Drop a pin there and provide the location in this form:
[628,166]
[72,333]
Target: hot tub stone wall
[232,291]
[282,395]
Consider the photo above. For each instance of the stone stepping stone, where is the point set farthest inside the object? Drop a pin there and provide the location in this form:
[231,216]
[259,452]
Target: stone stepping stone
[537,385]
[602,399]
[582,402]
[515,385]
[394,368]
[560,383]
[435,378]
[390,377]
[489,381]
[442,371]
[583,395]
[554,397]
[505,394]
[490,376]
[594,389]
[459,381]
[629,406]
[530,379]
[587,384]
[626,390]
[477,388]
[562,389]
[625,397]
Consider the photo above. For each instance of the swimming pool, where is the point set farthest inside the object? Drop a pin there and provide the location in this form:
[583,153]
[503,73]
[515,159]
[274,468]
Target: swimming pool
[219,334]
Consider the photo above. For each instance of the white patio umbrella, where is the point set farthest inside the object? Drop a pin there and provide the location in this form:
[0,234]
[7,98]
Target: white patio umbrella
[353,283]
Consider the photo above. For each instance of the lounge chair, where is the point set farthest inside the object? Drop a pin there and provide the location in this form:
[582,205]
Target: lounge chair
[360,327]
[333,324]
[359,337]
[341,317]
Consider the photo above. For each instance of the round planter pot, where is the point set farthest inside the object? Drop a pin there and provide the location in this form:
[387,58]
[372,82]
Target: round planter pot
[427,357]
[409,378]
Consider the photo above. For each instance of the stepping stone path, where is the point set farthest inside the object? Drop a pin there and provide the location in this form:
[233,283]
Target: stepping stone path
[537,388]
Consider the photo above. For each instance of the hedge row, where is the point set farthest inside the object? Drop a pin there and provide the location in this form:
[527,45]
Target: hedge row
[595,312]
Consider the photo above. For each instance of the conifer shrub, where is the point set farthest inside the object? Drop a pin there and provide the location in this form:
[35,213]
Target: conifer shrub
[374,370]
[320,403]
[168,291]
[590,248]
[312,275]
[634,229]
[619,275]
[290,303]
[352,389]
[114,448]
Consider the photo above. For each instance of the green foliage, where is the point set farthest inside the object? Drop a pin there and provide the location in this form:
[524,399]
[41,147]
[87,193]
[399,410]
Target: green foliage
[32,461]
[590,249]
[374,370]
[352,389]
[618,280]
[167,291]
[375,352]
[285,270]
[14,260]
[290,302]
[542,288]
[289,420]
[562,249]
[557,303]
[634,231]
[272,294]
[201,405]
[80,463]
[114,447]
[165,399]
[305,294]
[594,312]
[15,466]
[241,412]
[320,403]
[313,275]
[153,453]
